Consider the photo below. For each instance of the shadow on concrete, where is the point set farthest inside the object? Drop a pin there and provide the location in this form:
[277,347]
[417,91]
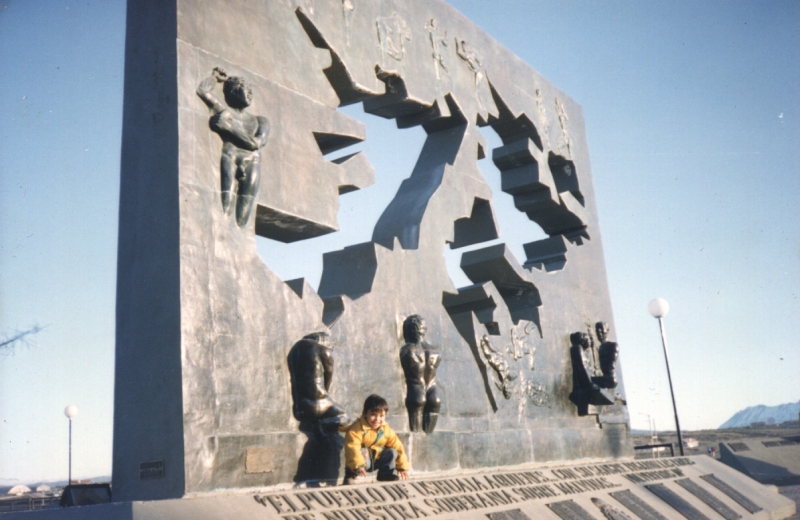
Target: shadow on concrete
[321,458]
[767,473]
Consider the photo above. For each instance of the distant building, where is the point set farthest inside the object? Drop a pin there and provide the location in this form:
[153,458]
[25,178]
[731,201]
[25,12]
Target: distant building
[690,443]
[21,498]
[19,490]
[790,424]
[758,424]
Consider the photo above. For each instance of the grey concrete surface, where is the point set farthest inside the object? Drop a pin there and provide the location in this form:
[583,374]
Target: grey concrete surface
[792,493]
[589,489]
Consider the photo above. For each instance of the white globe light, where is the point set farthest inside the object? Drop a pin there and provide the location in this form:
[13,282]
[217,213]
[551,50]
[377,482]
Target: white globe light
[658,307]
[71,411]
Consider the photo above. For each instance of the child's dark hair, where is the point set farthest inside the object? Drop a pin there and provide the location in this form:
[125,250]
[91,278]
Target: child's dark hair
[375,403]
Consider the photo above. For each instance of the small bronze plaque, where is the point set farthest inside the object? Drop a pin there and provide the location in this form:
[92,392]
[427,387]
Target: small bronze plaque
[511,514]
[259,460]
[734,494]
[569,510]
[710,500]
[151,470]
[775,444]
[676,501]
[639,507]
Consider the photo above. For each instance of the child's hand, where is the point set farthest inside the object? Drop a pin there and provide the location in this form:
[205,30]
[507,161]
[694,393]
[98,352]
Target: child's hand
[361,472]
[403,475]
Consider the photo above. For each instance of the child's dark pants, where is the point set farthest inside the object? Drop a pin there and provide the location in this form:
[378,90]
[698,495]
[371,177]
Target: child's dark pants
[384,464]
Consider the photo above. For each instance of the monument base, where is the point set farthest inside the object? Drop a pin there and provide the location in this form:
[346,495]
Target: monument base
[670,488]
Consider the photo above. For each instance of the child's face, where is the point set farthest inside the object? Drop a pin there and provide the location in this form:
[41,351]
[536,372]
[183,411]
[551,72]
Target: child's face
[375,418]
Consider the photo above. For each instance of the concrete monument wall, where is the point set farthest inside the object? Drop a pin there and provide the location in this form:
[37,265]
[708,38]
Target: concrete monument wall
[203,395]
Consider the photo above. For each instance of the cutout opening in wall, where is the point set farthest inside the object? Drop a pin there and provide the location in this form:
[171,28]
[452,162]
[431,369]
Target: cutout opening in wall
[514,226]
[393,154]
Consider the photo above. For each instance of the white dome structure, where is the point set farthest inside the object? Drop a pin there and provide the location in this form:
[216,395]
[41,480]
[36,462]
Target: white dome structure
[44,488]
[19,490]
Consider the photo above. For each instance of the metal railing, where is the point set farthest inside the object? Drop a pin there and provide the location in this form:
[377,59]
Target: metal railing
[652,446]
[27,504]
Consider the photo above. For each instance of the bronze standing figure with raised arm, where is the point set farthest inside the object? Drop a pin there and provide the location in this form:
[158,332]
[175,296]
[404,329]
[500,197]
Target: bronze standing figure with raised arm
[243,136]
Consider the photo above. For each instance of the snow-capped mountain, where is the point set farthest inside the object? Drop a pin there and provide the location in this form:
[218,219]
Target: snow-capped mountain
[761,413]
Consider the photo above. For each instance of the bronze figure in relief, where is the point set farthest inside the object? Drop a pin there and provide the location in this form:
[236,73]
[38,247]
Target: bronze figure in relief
[419,360]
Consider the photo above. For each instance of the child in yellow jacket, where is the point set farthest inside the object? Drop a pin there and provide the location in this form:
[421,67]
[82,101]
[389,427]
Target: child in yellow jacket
[370,445]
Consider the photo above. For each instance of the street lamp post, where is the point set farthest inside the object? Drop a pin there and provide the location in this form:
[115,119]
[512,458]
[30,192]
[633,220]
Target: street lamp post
[649,422]
[659,308]
[70,411]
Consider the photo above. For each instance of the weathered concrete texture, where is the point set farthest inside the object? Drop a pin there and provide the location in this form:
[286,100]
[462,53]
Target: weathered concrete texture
[246,461]
[493,449]
[432,453]
[204,327]
[148,401]
[590,490]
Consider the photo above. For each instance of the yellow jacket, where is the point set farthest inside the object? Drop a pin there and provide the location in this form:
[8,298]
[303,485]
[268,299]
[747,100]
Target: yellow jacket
[360,435]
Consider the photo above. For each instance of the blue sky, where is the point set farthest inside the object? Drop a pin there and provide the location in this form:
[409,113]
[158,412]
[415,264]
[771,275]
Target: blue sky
[692,118]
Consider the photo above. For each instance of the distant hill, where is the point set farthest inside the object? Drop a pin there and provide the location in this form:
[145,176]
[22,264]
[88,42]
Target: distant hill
[761,413]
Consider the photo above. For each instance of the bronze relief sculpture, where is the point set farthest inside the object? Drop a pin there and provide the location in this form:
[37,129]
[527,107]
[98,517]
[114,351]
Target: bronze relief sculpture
[311,369]
[498,362]
[585,391]
[419,360]
[243,136]
[608,353]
